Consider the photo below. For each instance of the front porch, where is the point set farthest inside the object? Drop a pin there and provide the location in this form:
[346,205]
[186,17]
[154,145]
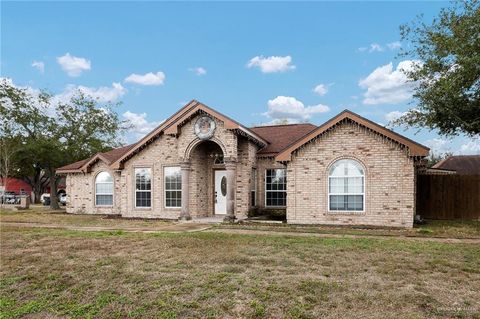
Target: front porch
[208,183]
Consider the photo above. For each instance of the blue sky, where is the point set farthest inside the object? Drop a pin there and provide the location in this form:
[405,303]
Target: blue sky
[256,62]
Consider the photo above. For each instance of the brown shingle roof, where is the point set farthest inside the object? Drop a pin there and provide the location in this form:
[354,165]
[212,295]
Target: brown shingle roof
[280,136]
[116,153]
[110,156]
[462,164]
[73,166]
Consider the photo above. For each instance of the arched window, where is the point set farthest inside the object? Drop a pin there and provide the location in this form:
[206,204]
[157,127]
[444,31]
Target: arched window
[104,189]
[346,186]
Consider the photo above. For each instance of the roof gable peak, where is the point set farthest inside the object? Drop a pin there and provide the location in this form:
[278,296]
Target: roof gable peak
[172,124]
[415,148]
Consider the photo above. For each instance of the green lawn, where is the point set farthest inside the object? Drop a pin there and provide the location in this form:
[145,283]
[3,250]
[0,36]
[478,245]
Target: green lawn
[68,274]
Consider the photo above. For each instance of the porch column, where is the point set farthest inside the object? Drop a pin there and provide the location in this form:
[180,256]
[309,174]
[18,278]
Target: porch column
[231,168]
[185,213]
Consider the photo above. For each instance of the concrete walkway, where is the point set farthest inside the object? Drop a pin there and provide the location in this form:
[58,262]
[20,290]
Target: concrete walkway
[216,219]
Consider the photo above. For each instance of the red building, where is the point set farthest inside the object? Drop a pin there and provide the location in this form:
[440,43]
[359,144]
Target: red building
[15,185]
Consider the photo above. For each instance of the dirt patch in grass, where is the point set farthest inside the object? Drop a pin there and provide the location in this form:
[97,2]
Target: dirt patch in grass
[58,273]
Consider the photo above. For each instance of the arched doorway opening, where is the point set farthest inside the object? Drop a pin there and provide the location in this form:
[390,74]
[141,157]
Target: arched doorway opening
[208,180]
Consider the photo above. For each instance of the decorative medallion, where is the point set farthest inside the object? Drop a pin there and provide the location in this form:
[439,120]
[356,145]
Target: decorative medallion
[204,127]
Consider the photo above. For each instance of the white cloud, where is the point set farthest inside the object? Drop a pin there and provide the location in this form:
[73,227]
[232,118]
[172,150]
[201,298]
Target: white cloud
[291,109]
[39,65]
[198,70]
[74,66]
[146,79]
[438,146]
[140,125]
[394,45]
[392,116]
[471,147]
[386,85]
[457,146]
[47,109]
[321,89]
[272,64]
[375,47]
[101,94]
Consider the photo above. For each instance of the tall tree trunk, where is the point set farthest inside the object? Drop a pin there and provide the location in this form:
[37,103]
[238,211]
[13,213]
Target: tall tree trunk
[37,193]
[53,189]
[40,181]
[37,182]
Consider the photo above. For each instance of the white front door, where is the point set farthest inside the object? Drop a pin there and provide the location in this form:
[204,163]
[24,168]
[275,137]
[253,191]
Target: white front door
[220,192]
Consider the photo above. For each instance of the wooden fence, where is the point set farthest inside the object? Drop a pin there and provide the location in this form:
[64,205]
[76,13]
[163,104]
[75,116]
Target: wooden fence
[448,196]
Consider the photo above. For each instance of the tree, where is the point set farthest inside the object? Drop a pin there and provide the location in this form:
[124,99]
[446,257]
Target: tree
[436,158]
[54,133]
[7,151]
[448,71]
[22,119]
[81,129]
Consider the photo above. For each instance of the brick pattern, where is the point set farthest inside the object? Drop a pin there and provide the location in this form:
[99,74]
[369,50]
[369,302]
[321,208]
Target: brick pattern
[170,151]
[264,163]
[81,192]
[389,179]
[247,158]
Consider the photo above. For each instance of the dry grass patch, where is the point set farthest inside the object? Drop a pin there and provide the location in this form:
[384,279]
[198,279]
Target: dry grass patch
[433,228]
[60,218]
[56,273]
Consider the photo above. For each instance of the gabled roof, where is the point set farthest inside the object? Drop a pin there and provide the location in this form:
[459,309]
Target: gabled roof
[172,124]
[280,136]
[415,149]
[276,140]
[462,164]
[107,157]
[73,167]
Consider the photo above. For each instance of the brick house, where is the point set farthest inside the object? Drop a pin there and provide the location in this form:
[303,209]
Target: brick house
[201,163]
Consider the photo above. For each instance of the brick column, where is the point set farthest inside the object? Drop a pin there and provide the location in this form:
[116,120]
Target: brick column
[231,167]
[185,212]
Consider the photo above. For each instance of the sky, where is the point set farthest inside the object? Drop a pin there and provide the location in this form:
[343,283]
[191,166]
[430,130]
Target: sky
[257,62]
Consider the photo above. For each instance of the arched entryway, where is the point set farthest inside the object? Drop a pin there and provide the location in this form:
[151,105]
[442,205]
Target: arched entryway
[210,179]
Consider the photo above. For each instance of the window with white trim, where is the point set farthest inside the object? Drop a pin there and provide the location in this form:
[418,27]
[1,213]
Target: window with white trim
[143,187]
[173,187]
[346,186]
[103,189]
[253,188]
[276,187]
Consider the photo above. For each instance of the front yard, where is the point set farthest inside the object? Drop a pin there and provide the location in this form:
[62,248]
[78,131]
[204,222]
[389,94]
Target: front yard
[57,273]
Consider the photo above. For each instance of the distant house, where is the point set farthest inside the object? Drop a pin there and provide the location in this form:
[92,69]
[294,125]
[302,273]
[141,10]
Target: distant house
[18,186]
[201,163]
[461,164]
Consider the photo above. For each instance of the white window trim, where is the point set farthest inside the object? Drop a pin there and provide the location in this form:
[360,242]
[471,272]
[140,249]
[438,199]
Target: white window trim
[273,191]
[142,191]
[95,189]
[165,188]
[346,194]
